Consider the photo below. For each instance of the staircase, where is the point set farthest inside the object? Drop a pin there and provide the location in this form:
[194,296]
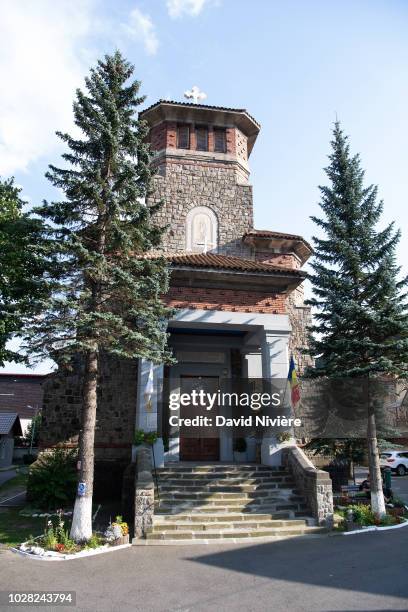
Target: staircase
[202,503]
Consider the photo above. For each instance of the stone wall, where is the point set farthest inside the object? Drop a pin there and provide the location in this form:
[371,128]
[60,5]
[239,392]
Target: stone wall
[144,492]
[183,184]
[300,319]
[117,391]
[314,484]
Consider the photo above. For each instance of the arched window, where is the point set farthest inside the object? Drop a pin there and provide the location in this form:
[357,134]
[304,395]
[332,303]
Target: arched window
[201,230]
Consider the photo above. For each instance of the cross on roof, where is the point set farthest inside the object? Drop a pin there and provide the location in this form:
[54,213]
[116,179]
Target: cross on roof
[195,94]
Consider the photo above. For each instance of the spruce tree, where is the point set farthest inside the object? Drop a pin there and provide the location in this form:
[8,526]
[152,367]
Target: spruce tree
[361,315]
[108,298]
[23,266]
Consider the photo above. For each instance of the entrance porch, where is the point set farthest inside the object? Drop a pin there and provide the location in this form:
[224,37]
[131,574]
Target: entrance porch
[211,346]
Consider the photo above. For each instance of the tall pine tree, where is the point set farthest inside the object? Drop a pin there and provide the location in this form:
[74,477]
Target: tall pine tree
[108,297]
[361,315]
[23,267]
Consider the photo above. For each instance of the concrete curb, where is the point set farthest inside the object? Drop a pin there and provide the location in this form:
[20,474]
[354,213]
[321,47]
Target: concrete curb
[373,528]
[68,557]
[233,541]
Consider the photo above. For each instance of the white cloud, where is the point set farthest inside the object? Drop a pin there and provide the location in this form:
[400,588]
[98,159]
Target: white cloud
[141,28]
[192,8]
[41,66]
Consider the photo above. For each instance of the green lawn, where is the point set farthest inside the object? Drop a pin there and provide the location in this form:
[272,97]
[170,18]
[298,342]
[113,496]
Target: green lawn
[19,481]
[15,528]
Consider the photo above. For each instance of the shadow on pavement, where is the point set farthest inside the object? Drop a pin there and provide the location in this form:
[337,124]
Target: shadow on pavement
[375,563]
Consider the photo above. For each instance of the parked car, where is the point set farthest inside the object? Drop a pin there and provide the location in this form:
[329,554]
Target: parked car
[397,460]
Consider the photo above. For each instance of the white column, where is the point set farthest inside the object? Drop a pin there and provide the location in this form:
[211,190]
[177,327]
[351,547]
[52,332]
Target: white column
[147,404]
[252,362]
[275,355]
[275,365]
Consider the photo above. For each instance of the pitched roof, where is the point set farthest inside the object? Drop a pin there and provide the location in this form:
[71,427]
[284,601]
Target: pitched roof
[204,106]
[299,245]
[272,234]
[8,423]
[226,262]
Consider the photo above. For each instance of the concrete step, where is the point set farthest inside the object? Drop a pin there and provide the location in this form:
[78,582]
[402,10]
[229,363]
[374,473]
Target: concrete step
[218,474]
[269,507]
[214,517]
[220,467]
[203,503]
[242,496]
[210,526]
[217,534]
[244,485]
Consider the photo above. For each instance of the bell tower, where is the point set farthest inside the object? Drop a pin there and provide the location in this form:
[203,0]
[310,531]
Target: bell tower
[201,155]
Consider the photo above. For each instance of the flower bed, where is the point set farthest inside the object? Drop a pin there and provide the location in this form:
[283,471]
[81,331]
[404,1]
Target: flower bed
[55,542]
[359,515]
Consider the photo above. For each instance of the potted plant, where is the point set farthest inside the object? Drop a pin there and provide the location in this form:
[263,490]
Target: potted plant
[240,450]
[117,532]
[284,436]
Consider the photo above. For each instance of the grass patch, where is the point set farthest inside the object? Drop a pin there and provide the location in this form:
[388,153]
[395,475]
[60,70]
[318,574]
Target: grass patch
[15,529]
[19,481]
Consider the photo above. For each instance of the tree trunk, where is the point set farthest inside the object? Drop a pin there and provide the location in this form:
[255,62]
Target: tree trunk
[81,529]
[377,496]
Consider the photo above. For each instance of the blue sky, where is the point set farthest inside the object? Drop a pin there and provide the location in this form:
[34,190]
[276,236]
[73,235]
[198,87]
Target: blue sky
[294,65]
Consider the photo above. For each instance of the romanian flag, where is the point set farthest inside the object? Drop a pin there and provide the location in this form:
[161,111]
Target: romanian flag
[294,383]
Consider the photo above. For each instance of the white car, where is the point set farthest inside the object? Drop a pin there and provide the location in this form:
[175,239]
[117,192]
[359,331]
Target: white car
[397,460]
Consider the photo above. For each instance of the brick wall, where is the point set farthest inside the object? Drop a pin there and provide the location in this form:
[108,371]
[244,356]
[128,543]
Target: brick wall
[227,299]
[164,135]
[287,260]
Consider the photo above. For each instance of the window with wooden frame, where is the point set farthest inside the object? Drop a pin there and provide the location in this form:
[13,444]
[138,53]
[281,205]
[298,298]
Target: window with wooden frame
[183,136]
[201,138]
[220,141]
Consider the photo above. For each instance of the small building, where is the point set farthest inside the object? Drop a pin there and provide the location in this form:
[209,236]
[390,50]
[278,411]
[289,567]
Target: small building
[22,394]
[10,427]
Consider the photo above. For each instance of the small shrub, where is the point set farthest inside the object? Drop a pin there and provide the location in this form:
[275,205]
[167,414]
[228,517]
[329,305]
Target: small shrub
[151,437]
[148,437]
[363,515]
[56,537]
[49,540]
[139,437]
[94,541]
[52,479]
[284,436]
[388,520]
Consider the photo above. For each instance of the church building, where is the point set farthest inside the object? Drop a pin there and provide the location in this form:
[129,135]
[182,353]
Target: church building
[236,294]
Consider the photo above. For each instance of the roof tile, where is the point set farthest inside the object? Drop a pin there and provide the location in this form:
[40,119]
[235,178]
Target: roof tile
[225,262]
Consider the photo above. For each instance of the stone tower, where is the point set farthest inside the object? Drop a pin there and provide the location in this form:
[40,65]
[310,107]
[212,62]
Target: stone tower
[201,156]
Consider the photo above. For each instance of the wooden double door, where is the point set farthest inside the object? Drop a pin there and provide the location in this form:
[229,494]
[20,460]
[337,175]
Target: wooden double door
[199,444]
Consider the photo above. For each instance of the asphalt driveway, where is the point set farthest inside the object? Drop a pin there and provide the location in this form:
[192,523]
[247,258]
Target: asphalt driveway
[6,475]
[365,572]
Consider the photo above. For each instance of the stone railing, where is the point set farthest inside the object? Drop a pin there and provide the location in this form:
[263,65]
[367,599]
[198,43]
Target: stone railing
[144,491]
[315,485]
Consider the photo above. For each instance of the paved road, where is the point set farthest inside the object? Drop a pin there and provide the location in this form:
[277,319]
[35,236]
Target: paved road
[365,572]
[6,475]
[399,484]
